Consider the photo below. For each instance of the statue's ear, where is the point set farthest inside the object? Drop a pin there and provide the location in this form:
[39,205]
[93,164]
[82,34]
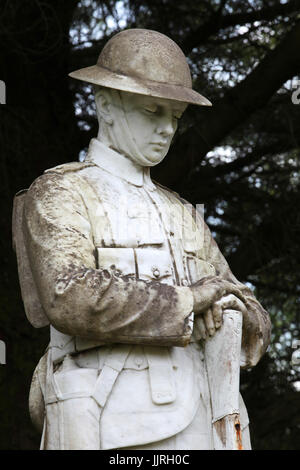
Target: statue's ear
[103,101]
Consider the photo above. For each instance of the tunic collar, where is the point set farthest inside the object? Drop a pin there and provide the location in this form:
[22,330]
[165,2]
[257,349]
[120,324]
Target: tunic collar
[118,165]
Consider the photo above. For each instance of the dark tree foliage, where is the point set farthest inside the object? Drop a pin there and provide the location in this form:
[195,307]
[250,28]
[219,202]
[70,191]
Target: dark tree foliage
[240,158]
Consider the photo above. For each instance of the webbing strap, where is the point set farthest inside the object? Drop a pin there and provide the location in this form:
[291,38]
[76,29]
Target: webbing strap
[161,373]
[113,365]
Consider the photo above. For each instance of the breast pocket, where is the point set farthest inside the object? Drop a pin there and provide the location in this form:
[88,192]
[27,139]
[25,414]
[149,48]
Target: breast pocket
[146,228]
[154,265]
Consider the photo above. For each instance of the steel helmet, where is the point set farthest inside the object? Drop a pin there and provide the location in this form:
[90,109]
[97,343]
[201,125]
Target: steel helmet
[145,62]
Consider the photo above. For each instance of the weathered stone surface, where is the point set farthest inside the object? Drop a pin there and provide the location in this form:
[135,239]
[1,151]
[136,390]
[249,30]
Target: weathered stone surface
[148,326]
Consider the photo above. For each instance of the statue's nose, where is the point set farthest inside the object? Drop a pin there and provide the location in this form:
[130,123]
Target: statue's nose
[166,126]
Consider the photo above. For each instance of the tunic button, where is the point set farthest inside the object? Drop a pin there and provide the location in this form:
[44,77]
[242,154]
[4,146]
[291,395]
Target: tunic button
[156,273]
[138,361]
[184,282]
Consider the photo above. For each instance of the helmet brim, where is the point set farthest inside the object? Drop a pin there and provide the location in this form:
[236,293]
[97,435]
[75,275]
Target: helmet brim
[106,78]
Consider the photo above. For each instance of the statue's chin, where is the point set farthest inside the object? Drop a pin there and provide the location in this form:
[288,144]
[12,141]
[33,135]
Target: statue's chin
[153,159]
[153,163]
[148,159]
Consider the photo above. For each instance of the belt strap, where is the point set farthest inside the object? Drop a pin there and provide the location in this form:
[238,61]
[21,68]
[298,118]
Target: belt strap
[113,365]
[161,373]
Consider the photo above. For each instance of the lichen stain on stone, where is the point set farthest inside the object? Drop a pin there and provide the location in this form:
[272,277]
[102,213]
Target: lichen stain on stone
[73,274]
[72,229]
[166,292]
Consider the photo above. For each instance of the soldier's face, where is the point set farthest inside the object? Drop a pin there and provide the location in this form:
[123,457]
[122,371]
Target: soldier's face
[152,123]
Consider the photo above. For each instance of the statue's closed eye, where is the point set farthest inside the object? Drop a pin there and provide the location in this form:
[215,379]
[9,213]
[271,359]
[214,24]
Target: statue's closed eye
[151,110]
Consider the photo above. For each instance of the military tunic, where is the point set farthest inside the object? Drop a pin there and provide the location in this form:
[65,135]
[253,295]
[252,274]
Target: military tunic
[112,255]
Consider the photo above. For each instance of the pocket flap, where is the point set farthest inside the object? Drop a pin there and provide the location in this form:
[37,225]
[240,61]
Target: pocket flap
[153,264]
[145,263]
[118,259]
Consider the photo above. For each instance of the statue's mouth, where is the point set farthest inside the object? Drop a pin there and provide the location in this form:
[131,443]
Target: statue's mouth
[159,144]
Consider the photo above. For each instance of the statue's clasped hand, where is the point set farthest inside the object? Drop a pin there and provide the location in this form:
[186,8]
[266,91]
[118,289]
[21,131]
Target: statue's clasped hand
[212,296]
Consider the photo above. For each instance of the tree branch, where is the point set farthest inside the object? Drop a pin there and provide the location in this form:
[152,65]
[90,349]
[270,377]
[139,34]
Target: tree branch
[255,90]
[238,103]
[217,22]
[249,159]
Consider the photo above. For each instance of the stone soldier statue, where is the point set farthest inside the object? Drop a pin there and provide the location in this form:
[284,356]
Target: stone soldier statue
[148,326]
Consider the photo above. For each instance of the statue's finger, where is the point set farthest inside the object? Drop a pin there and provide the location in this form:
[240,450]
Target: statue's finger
[233,302]
[209,322]
[232,289]
[201,327]
[217,313]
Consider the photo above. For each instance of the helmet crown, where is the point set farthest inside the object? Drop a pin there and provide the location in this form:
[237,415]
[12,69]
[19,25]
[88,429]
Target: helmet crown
[146,55]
